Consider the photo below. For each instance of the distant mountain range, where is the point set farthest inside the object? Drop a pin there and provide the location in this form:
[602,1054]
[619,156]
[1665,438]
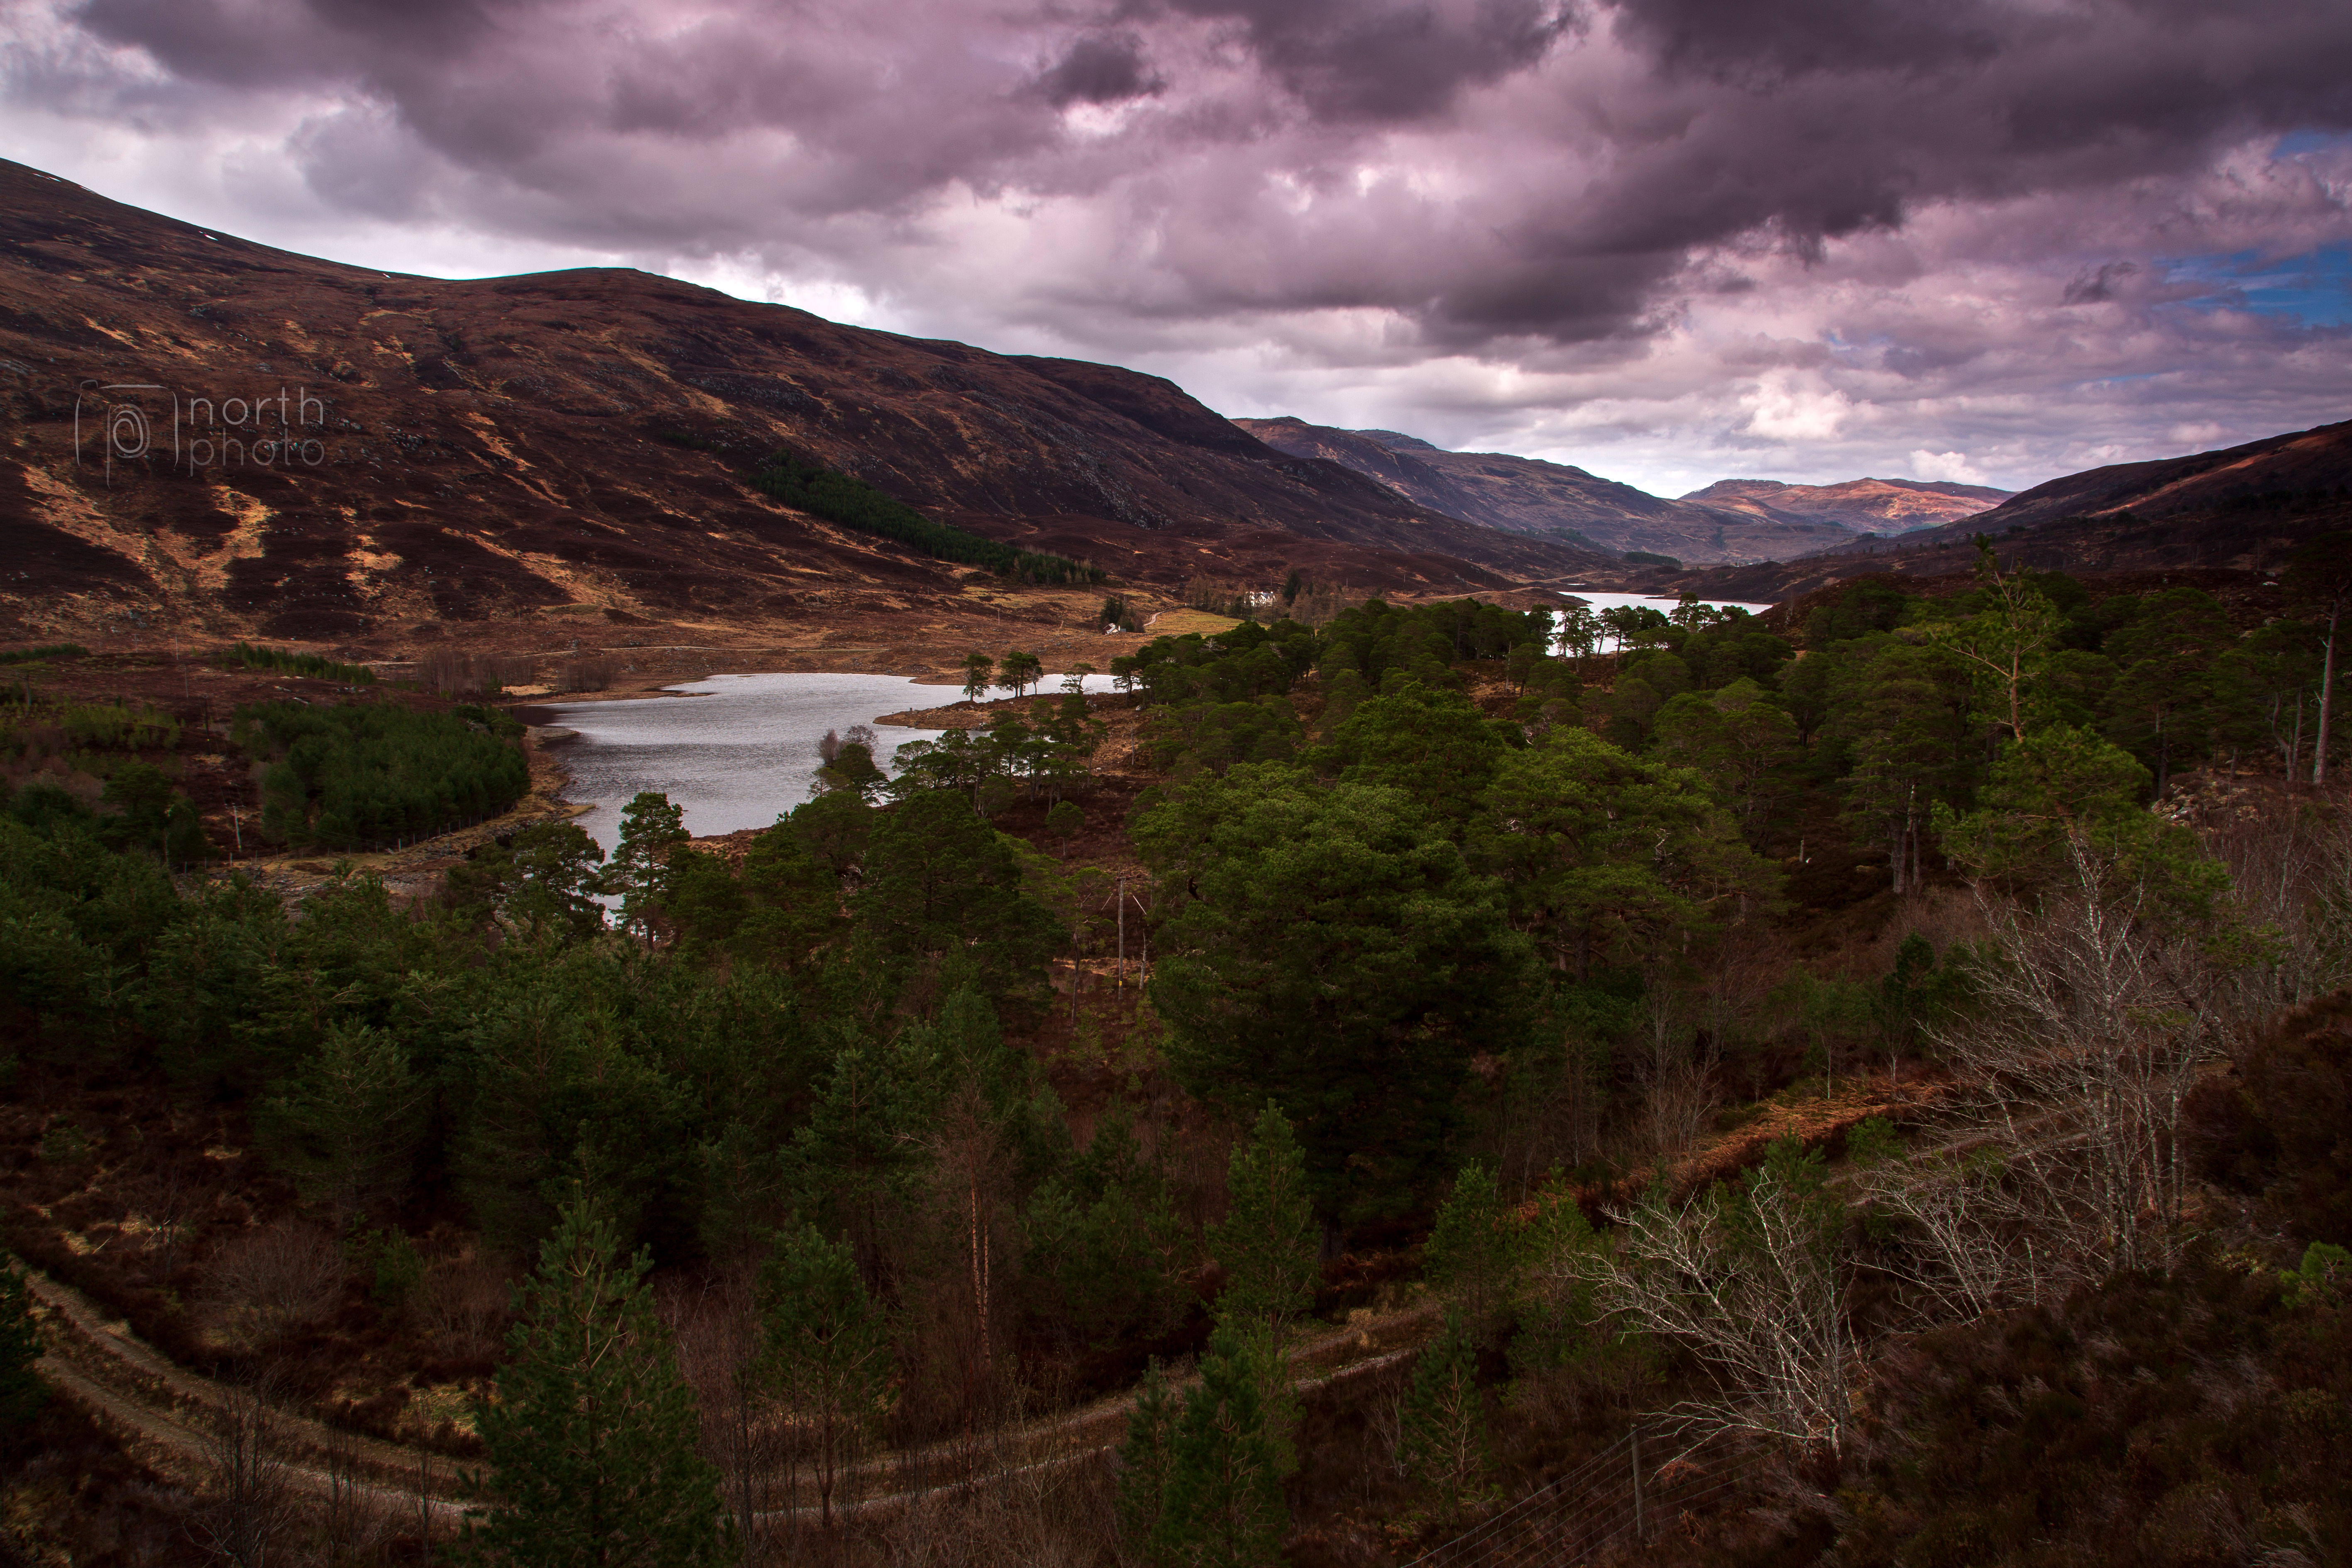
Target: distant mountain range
[1731,520]
[1862,506]
[2241,508]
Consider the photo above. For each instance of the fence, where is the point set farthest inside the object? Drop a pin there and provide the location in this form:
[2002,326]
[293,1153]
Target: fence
[1616,1497]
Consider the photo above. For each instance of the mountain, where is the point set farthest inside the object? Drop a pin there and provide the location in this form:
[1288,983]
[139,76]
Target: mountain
[2240,509]
[572,443]
[1864,506]
[2255,477]
[1531,496]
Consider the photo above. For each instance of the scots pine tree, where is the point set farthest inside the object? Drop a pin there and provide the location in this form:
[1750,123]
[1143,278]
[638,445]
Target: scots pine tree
[345,1123]
[1444,1436]
[1471,1254]
[978,675]
[590,1431]
[1143,1459]
[828,1349]
[1266,1243]
[1222,1505]
[1020,671]
[652,830]
[21,1390]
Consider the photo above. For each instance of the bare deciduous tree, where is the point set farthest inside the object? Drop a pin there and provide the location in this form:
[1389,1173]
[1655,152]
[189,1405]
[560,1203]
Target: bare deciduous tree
[1963,1247]
[2092,1022]
[247,1505]
[1754,1280]
[716,1329]
[462,1306]
[356,1520]
[2291,875]
[1677,1079]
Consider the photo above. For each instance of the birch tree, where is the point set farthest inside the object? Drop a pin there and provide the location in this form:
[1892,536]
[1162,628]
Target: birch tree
[2092,1020]
[1753,1279]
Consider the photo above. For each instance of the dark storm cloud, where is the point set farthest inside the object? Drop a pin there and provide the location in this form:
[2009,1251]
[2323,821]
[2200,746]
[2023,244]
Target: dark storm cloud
[1100,67]
[2098,285]
[1349,60]
[1751,41]
[290,43]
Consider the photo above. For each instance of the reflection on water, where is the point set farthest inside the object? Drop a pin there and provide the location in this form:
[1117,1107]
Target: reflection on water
[738,752]
[1665,603]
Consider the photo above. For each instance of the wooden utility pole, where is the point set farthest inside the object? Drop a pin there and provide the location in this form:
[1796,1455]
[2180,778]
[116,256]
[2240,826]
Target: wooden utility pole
[1635,1439]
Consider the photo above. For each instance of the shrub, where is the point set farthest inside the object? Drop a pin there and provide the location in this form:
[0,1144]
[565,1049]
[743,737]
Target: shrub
[266,1285]
[118,727]
[461,1306]
[21,1390]
[52,650]
[397,1269]
[585,675]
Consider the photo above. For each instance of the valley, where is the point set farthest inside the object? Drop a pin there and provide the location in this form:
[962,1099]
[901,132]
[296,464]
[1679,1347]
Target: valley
[634,917]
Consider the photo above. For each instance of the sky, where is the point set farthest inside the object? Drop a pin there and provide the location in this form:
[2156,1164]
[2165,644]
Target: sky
[1670,241]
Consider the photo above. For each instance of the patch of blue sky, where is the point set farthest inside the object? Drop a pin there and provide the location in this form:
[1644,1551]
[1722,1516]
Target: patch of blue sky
[2313,287]
[2296,142]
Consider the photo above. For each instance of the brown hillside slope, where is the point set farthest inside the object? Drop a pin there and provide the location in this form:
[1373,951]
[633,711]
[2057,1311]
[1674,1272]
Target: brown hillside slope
[2256,477]
[481,450]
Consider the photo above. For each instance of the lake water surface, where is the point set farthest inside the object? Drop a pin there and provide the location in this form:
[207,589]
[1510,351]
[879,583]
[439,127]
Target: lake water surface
[739,750]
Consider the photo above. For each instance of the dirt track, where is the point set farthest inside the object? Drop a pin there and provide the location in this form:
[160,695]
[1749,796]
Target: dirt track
[162,1414]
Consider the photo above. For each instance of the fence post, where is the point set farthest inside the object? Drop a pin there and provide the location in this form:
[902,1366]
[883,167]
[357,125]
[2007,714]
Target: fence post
[1635,1442]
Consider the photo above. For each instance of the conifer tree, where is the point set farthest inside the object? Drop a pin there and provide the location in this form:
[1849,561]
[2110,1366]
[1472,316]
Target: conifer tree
[556,866]
[1020,671]
[828,1348]
[1266,1243]
[346,1122]
[1143,1459]
[1222,1505]
[652,830]
[978,675]
[590,1431]
[21,1390]
[1472,1248]
[1444,1436]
